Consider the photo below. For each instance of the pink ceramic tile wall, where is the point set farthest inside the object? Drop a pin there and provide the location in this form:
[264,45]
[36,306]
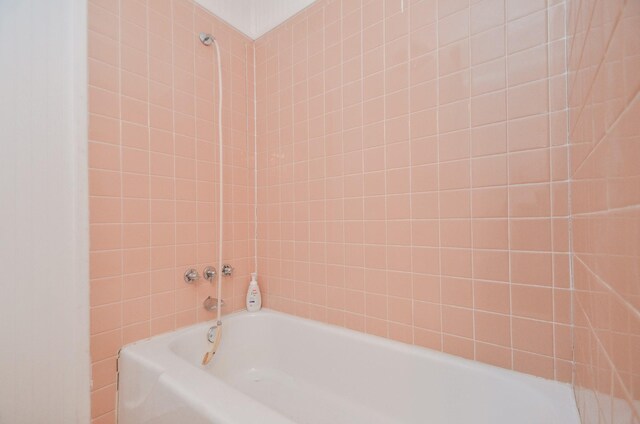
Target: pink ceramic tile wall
[413,178]
[153,173]
[412,175]
[604,133]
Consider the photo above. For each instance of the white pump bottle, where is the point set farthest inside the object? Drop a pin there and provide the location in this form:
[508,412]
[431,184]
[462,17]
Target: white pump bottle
[254,299]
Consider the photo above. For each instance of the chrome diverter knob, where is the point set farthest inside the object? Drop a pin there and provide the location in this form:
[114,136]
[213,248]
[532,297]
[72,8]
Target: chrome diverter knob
[191,276]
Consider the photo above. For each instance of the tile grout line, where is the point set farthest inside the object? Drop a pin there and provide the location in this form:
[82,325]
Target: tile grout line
[173,138]
[438,182]
[410,141]
[551,185]
[471,187]
[508,185]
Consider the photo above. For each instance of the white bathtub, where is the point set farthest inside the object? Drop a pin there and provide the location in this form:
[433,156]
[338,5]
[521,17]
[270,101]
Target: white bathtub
[276,368]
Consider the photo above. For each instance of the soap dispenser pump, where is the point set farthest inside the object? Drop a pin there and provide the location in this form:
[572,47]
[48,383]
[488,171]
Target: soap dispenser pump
[254,299]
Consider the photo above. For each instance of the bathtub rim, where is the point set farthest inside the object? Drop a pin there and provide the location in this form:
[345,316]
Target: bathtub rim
[157,352]
[448,358]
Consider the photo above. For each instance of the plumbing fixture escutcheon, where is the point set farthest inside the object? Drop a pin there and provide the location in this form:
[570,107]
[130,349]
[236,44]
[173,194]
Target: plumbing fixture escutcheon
[227,270]
[211,303]
[209,273]
[191,276]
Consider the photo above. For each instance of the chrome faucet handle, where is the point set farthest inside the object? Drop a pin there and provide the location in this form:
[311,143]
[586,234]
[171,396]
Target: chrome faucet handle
[209,273]
[227,270]
[191,276]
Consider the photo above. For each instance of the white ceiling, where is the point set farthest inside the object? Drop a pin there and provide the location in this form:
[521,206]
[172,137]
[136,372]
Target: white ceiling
[254,17]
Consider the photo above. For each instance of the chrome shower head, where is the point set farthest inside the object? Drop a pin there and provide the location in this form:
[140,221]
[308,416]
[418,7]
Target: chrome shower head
[206,39]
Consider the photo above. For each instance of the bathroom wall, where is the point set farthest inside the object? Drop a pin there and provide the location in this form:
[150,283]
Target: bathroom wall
[413,178]
[44,305]
[412,175]
[604,133]
[154,173]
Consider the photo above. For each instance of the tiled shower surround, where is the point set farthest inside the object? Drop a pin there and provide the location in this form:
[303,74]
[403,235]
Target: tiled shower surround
[154,173]
[412,175]
[604,133]
[413,178]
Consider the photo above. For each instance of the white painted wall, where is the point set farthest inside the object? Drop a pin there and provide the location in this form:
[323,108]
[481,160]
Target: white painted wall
[44,292]
[254,17]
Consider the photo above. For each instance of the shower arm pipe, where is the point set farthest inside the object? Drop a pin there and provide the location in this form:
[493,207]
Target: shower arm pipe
[220,182]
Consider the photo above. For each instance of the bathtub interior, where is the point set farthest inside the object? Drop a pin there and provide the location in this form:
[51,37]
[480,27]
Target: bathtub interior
[315,373]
